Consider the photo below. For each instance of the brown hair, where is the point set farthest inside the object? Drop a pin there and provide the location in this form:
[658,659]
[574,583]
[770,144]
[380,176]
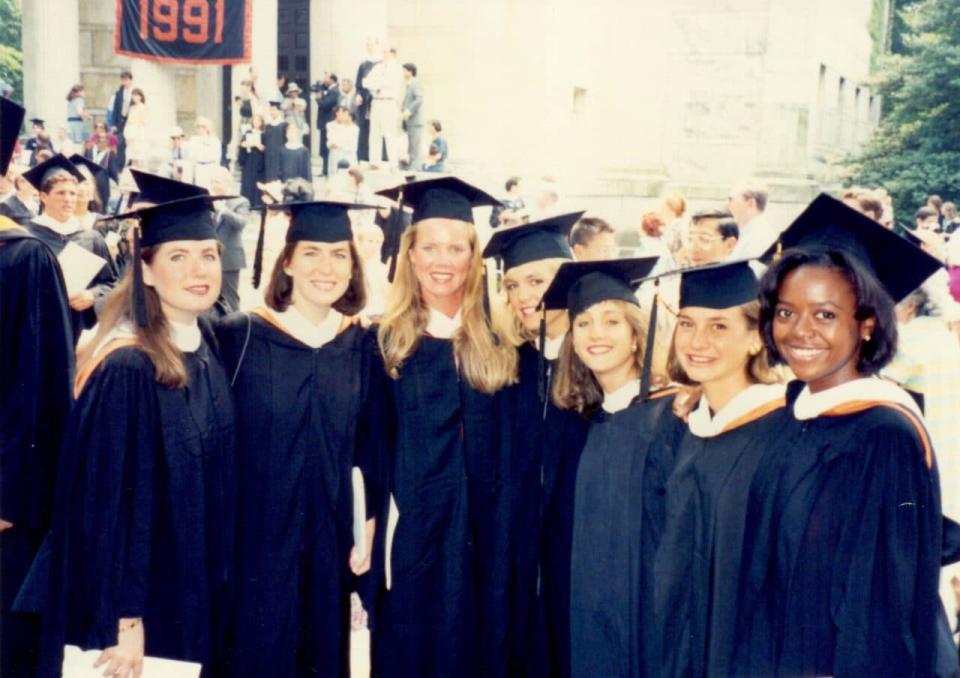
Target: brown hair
[280,289]
[155,339]
[758,367]
[652,224]
[865,201]
[55,179]
[575,387]
[74,92]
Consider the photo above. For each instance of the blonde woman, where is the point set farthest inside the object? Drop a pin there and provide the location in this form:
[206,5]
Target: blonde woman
[716,346]
[628,455]
[445,542]
[549,443]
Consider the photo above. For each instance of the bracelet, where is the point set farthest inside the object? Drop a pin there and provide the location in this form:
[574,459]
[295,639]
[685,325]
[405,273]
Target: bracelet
[132,625]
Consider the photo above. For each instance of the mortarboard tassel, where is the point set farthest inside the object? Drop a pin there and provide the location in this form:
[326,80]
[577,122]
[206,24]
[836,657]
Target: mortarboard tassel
[542,358]
[139,297]
[486,306]
[651,336]
[258,255]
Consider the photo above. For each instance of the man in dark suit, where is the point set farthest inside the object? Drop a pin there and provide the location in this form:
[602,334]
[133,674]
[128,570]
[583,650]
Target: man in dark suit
[328,96]
[118,114]
[230,219]
[412,116]
[365,98]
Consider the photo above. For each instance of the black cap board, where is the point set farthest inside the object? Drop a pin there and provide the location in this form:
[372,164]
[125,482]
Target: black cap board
[723,285]
[579,285]
[444,197]
[157,189]
[58,164]
[36,121]
[11,119]
[829,225]
[543,239]
[100,176]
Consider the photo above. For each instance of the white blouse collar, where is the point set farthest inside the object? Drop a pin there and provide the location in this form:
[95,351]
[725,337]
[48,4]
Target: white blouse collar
[703,425]
[68,227]
[812,405]
[441,326]
[304,331]
[622,397]
[551,350]
[186,337]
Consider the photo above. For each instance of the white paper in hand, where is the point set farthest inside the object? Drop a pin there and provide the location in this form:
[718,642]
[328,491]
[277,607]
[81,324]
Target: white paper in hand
[79,267]
[79,664]
[359,514]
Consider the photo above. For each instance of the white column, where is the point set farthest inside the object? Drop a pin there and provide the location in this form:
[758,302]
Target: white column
[158,82]
[263,48]
[51,58]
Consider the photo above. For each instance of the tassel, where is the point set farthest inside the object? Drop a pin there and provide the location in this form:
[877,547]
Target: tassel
[542,358]
[651,336]
[486,306]
[139,297]
[258,255]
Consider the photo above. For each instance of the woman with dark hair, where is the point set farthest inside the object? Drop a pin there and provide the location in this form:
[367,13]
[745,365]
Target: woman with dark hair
[604,374]
[77,115]
[306,382]
[141,548]
[841,564]
[250,158]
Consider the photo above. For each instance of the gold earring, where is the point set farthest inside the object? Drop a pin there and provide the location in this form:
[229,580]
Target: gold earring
[866,337]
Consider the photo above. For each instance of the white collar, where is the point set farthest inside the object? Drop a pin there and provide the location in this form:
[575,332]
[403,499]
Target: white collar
[304,331]
[186,337]
[812,405]
[703,425]
[551,350]
[622,397]
[122,330]
[68,227]
[442,326]
[293,145]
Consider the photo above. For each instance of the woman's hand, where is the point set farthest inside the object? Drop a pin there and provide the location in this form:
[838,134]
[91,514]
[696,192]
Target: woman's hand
[358,566]
[125,659]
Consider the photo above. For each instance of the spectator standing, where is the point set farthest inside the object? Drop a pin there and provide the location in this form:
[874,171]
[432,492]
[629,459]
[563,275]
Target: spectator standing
[364,97]
[384,83]
[205,151]
[342,140]
[274,137]
[711,237]
[137,130]
[250,158]
[117,115]
[348,97]
[950,219]
[593,239]
[180,167]
[230,217]
[294,157]
[435,129]
[511,212]
[77,115]
[747,203]
[295,109]
[412,115]
[248,102]
[327,94]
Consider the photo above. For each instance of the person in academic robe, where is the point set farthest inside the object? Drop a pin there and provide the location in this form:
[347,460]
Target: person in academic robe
[250,158]
[274,138]
[603,372]
[139,558]
[545,464]
[309,388]
[57,179]
[294,157]
[442,610]
[845,548]
[22,206]
[101,182]
[36,373]
[716,347]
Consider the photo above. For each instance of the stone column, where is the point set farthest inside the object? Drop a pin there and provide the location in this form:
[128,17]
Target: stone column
[264,50]
[51,58]
[158,82]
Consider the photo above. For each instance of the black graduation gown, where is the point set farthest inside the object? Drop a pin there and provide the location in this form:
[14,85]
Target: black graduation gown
[445,614]
[144,514]
[841,571]
[15,209]
[698,563]
[102,283]
[618,517]
[274,138]
[543,473]
[295,163]
[306,417]
[251,161]
[36,375]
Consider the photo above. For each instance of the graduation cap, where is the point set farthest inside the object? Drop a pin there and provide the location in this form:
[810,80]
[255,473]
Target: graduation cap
[829,225]
[445,197]
[276,103]
[42,173]
[100,177]
[37,121]
[186,219]
[316,220]
[724,285]
[11,118]
[543,239]
[157,189]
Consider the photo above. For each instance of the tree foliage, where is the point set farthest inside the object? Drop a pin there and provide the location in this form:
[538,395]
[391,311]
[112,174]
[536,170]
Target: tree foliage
[11,56]
[916,150]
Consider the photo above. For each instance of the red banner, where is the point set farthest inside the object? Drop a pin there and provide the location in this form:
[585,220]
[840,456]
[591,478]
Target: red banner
[185,31]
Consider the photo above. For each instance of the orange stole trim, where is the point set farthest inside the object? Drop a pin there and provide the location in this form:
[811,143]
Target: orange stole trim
[83,376]
[756,413]
[664,392]
[855,406]
[345,322]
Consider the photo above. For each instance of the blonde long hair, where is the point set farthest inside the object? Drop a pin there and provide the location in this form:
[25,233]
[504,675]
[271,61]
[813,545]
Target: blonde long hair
[155,339]
[575,387]
[507,318]
[486,359]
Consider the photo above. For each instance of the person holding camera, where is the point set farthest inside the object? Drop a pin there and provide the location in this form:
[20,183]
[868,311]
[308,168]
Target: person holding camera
[327,94]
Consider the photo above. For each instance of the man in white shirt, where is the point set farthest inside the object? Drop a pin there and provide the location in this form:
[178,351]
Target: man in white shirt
[747,202]
[385,83]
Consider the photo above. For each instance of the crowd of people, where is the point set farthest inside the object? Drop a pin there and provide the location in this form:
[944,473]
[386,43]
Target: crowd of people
[711,445]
